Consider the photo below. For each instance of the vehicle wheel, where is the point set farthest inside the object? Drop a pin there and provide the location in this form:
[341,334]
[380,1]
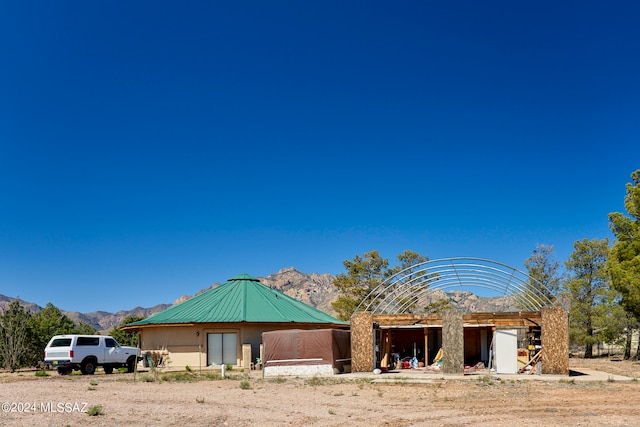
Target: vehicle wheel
[64,371]
[131,364]
[108,369]
[88,367]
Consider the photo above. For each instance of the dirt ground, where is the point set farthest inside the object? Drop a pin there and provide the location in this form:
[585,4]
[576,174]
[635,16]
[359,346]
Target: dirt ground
[189,399]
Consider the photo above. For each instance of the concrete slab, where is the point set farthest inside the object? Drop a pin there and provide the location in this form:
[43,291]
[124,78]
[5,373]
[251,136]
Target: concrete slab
[421,376]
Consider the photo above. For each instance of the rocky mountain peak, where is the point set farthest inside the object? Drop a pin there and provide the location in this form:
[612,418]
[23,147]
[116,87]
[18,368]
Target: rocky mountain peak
[316,290]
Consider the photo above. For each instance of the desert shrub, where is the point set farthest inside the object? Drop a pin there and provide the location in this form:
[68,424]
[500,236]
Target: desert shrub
[42,374]
[212,375]
[245,385]
[148,378]
[179,377]
[95,410]
[155,358]
[485,379]
[317,380]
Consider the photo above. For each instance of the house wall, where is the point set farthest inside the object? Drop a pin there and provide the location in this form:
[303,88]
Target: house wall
[182,345]
[187,345]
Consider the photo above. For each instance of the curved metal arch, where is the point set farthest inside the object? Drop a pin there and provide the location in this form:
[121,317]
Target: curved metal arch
[401,302]
[396,295]
[493,279]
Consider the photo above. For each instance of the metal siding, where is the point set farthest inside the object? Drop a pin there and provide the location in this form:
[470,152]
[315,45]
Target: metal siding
[241,299]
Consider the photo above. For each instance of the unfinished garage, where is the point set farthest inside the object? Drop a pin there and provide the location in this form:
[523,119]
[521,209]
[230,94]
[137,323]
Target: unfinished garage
[395,330]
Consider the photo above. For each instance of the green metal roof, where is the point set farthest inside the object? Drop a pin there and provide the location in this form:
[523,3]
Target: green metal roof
[241,299]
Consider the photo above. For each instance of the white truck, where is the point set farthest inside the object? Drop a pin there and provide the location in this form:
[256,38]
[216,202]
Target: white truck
[87,352]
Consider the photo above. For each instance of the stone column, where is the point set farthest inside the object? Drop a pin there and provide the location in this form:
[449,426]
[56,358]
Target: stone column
[452,342]
[246,356]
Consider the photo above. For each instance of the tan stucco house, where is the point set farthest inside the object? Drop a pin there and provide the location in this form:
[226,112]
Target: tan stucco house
[224,325]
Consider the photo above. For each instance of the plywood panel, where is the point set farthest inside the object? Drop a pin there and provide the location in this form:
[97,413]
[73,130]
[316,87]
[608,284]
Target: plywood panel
[362,342]
[555,341]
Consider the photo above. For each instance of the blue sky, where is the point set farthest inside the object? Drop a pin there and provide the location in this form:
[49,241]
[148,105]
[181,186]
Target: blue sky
[150,149]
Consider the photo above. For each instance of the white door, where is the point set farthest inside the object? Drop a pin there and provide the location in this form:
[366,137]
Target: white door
[222,349]
[506,351]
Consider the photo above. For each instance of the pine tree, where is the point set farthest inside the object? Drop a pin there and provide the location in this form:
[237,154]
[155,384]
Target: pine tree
[13,335]
[588,288]
[624,260]
[126,337]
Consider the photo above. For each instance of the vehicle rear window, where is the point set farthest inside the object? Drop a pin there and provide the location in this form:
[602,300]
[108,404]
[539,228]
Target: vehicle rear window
[61,342]
[88,341]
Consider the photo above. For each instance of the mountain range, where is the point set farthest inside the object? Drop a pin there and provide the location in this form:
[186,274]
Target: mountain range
[316,290]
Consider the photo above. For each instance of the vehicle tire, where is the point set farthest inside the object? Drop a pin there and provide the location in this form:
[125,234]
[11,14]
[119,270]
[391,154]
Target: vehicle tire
[108,369]
[88,367]
[131,364]
[64,371]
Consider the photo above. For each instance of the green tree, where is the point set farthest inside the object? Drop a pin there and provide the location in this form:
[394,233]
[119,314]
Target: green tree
[544,269]
[624,260]
[410,276]
[618,325]
[48,322]
[85,329]
[588,288]
[363,275]
[126,337]
[14,326]
[438,306]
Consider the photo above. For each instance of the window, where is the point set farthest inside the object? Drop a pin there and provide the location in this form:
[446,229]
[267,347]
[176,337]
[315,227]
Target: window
[222,349]
[61,342]
[110,342]
[94,341]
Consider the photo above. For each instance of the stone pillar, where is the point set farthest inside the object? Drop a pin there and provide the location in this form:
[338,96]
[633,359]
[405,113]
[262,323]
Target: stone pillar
[452,342]
[246,356]
[555,341]
[362,342]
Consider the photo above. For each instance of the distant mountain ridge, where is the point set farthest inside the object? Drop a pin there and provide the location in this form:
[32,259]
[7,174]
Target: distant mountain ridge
[101,320]
[314,289]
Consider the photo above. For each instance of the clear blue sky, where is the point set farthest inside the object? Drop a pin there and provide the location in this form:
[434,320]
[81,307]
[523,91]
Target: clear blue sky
[149,149]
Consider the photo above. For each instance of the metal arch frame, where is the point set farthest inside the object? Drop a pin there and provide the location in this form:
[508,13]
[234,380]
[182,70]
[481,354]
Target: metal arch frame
[392,295]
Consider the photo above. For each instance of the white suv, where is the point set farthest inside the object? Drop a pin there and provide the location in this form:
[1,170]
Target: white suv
[87,352]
